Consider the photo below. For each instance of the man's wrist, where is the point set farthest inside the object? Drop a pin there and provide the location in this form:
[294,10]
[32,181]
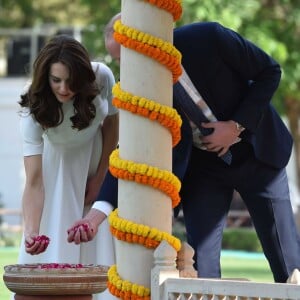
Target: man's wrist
[103,206]
[240,128]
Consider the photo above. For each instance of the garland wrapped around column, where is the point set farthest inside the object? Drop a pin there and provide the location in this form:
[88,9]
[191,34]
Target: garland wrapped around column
[148,189]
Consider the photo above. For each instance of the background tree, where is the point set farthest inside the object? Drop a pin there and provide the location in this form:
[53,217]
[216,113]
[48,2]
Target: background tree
[274,25]
[29,13]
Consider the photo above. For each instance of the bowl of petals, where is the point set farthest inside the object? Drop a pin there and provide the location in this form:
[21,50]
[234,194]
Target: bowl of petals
[55,279]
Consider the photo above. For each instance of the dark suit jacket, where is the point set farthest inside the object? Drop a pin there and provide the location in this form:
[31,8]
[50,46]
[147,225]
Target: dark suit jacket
[237,80]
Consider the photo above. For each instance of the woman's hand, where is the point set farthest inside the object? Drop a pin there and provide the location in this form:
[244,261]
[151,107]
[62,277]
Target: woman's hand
[36,244]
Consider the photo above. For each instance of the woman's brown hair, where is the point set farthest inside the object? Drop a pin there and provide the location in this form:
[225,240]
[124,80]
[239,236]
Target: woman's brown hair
[41,101]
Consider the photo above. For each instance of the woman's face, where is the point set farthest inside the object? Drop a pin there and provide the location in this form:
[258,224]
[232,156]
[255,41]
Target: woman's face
[59,82]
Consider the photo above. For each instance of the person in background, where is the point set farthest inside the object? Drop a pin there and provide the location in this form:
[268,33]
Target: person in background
[237,80]
[69,128]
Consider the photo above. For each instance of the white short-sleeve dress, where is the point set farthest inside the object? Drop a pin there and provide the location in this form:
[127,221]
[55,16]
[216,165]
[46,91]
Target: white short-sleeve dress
[69,157]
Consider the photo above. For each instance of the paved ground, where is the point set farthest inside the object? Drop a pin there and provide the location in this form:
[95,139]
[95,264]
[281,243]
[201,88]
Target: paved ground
[11,160]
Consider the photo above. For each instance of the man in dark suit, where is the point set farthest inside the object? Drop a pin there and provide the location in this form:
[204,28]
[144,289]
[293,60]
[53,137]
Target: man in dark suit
[237,80]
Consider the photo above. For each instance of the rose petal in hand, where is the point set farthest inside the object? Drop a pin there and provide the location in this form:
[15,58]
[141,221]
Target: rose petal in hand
[29,245]
[86,227]
[40,244]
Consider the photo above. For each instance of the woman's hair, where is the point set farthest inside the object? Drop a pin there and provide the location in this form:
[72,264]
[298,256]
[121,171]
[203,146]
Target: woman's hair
[41,101]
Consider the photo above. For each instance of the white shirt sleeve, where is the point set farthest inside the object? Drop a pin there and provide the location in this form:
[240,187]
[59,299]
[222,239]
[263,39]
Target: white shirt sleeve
[103,206]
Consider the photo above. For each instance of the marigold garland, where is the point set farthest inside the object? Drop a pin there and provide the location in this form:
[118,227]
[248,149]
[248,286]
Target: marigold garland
[166,54]
[124,289]
[144,43]
[172,6]
[165,115]
[131,232]
[163,180]
[146,38]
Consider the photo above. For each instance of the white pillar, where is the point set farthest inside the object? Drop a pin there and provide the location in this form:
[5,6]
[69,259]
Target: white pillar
[142,140]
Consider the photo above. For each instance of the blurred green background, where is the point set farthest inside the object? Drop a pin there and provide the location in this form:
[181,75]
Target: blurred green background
[274,25]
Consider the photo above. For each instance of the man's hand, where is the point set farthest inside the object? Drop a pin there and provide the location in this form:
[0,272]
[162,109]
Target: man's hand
[224,135]
[81,231]
[85,230]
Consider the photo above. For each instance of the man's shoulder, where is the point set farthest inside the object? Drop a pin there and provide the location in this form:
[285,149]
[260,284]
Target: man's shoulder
[198,30]
[97,65]
[198,26]
[101,69]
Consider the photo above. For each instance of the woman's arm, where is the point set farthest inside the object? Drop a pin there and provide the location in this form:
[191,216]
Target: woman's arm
[85,229]
[110,134]
[32,203]
[110,130]
[106,201]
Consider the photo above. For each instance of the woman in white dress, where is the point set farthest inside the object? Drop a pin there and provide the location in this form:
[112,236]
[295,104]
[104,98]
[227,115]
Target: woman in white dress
[69,128]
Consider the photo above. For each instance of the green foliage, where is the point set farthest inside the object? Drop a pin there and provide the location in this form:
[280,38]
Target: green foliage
[241,239]
[8,256]
[100,12]
[1,206]
[9,239]
[179,230]
[233,238]
[228,12]
[273,25]
[246,266]
[29,13]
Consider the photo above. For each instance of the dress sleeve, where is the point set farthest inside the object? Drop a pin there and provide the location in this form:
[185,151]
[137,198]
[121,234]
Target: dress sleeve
[105,80]
[32,135]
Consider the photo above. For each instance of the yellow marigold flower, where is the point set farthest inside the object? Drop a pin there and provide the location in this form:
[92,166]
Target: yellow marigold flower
[135,100]
[127,286]
[146,230]
[140,229]
[158,237]
[134,288]
[142,102]
[123,225]
[134,228]
[153,232]
[177,244]
[128,226]
[119,284]
[133,33]
[140,291]
[144,168]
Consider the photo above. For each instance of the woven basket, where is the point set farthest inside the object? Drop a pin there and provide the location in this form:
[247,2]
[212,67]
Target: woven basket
[36,279]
